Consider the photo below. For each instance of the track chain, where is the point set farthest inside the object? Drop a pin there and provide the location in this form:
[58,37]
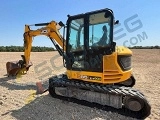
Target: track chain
[62,81]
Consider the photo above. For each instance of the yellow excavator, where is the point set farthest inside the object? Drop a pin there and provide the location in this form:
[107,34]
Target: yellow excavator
[98,71]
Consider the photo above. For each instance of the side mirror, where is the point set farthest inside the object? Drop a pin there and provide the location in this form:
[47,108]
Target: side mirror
[117,22]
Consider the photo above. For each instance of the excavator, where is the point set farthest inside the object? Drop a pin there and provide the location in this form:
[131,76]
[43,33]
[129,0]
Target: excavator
[97,70]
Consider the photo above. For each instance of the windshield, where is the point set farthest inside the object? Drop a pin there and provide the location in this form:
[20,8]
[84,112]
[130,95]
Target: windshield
[99,30]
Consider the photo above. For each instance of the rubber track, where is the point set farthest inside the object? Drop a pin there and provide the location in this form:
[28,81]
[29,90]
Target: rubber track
[108,89]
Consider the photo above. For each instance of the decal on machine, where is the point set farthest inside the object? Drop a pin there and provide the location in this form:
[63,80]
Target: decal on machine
[89,77]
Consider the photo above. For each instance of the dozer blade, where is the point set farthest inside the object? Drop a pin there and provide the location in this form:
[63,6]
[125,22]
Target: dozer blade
[14,67]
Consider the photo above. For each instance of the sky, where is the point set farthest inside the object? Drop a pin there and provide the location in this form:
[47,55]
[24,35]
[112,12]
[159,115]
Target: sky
[138,19]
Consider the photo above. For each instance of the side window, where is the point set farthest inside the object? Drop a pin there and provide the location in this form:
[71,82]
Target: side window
[72,39]
[76,37]
[99,30]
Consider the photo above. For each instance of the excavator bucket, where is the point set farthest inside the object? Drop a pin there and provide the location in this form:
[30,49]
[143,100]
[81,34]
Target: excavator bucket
[14,67]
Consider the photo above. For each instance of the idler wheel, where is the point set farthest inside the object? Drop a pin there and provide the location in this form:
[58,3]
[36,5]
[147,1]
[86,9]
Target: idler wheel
[133,104]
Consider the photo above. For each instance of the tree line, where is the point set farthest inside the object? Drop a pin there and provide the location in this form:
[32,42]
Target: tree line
[45,49]
[145,47]
[21,49]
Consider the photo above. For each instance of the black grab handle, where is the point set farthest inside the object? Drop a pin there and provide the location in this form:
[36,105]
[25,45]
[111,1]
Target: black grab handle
[41,24]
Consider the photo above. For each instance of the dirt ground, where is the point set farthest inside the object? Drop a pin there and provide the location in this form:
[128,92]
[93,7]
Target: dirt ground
[18,99]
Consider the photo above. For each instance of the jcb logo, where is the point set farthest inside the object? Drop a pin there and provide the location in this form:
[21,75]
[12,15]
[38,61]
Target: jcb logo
[44,31]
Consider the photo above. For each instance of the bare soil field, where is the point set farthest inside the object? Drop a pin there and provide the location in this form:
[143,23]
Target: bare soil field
[19,101]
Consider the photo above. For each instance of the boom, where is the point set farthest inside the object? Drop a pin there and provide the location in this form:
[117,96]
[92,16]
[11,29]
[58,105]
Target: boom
[50,30]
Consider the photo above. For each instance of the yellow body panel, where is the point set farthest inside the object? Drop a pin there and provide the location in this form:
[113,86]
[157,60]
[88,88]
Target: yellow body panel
[85,75]
[121,50]
[112,73]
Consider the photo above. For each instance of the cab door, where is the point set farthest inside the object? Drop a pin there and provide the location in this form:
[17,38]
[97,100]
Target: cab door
[75,43]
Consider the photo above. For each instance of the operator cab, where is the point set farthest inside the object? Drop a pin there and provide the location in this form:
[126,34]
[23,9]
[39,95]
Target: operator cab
[89,37]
